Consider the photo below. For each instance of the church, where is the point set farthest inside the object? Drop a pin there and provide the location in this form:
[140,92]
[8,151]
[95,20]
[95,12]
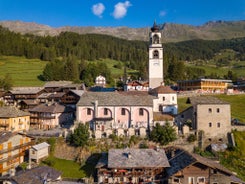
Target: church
[131,112]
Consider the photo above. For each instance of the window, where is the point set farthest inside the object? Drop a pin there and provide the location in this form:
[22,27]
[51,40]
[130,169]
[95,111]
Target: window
[155,54]
[172,98]
[218,124]
[160,108]
[200,180]
[123,111]
[105,111]
[209,110]
[210,124]
[141,112]
[163,98]
[88,111]
[191,180]
[217,110]
[176,180]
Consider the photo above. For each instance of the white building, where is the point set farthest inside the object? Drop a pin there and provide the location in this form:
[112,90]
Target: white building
[39,151]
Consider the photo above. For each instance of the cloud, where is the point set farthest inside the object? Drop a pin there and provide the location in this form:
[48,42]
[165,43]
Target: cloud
[120,9]
[98,9]
[162,13]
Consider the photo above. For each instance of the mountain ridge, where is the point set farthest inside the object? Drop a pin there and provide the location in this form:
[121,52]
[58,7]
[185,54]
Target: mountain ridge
[171,32]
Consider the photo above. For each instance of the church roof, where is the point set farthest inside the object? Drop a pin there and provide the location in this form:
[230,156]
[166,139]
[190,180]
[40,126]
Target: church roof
[162,90]
[155,27]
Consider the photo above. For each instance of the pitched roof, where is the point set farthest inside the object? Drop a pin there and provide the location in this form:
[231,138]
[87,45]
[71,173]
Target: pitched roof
[40,146]
[12,112]
[162,90]
[51,84]
[137,158]
[183,159]
[37,175]
[5,136]
[116,99]
[77,92]
[26,90]
[159,116]
[205,100]
[51,108]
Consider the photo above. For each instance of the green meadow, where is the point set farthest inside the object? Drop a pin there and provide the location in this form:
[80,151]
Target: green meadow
[24,72]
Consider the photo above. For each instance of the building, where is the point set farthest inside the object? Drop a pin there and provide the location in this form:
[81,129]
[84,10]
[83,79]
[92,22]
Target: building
[39,151]
[13,119]
[136,86]
[56,86]
[132,166]
[13,149]
[188,168]
[204,85]
[210,118]
[51,115]
[155,58]
[37,175]
[165,101]
[100,81]
[123,113]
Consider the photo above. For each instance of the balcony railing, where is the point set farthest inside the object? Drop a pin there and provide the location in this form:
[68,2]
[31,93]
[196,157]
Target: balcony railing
[16,147]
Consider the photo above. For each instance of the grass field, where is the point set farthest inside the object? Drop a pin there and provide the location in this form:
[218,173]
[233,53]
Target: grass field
[237,105]
[24,72]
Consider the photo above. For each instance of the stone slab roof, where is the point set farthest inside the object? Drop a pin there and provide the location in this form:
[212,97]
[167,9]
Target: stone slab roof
[116,99]
[183,159]
[78,92]
[162,90]
[137,158]
[5,136]
[37,175]
[51,108]
[12,112]
[51,84]
[205,100]
[26,90]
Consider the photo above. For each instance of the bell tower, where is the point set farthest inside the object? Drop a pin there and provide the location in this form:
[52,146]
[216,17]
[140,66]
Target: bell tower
[155,58]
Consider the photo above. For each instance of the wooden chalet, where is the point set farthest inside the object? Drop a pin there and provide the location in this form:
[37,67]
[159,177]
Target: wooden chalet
[72,97]
[132,165]
[188,168]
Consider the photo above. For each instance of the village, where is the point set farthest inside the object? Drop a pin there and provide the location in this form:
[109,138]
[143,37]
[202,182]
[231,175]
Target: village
[57,108]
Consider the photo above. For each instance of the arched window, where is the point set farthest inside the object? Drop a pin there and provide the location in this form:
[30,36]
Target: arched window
[155,54]
[141,112]
[156,39]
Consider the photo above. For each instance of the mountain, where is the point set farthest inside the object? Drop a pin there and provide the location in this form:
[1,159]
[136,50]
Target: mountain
[213,30]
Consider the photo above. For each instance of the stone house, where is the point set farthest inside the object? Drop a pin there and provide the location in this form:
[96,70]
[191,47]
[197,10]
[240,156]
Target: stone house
[188,168]
[132,166]
[13,119]
[209,117]
[137,86]
[13,149]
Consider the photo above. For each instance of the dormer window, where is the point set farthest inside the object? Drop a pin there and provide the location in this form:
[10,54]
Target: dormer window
[155,54]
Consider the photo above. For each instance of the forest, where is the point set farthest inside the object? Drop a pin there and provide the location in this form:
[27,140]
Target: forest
[68,55]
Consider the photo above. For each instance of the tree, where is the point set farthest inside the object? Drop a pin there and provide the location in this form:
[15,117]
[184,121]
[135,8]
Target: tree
[6,83]
[80,136]
[163,134]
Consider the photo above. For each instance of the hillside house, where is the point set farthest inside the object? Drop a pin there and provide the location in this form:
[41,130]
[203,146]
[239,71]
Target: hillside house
[210,118]
[100,81]
[51,115]
[39,151]
[132,166]
[137,86]
[14,96]
[13,149]
[14,120]
[188,168]
[56,86]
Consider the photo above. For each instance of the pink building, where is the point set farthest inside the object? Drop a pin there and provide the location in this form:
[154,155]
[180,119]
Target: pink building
[124,113]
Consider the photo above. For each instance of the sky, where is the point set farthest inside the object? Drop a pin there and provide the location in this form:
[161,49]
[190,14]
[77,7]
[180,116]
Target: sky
[114,13]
